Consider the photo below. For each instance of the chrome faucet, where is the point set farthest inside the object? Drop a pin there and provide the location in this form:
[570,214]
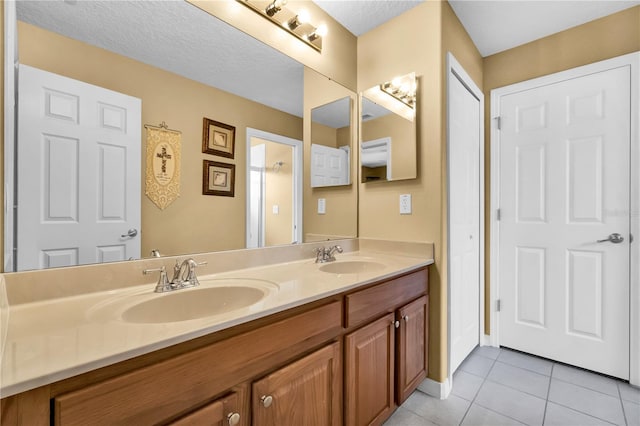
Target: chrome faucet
[184,276]
[324,254]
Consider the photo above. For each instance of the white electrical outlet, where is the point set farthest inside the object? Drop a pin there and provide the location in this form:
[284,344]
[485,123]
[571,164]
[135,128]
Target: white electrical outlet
[276,209]
[405,203]
[322,206]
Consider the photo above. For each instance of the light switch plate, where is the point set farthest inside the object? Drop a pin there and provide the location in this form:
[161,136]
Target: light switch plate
[405,203]
[322,206]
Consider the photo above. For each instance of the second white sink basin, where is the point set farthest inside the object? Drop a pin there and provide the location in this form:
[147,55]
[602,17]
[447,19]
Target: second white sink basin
[352,267]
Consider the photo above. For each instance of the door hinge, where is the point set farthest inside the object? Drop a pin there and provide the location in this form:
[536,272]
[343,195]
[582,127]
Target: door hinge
[498,305]
[498,214]
[498,122]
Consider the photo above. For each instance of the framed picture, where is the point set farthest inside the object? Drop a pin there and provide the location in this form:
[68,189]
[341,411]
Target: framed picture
[218,138]
[218,178]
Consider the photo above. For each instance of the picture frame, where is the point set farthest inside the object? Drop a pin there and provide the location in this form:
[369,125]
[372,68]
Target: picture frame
[218,138]
[218,178]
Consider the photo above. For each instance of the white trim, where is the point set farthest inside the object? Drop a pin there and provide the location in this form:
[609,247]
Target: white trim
[455,70]
[10,74]
[296,235]
[436,389]
[633,61]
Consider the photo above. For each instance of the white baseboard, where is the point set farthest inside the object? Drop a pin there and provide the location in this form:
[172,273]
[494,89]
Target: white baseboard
[487,340]
[436,389]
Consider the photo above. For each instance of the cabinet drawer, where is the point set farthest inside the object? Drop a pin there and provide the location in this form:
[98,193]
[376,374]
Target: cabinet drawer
[163,390]
[385,297]
[221,412]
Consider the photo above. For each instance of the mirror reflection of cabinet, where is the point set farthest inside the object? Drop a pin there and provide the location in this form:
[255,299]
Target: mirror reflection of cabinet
[388,129]
[331,143]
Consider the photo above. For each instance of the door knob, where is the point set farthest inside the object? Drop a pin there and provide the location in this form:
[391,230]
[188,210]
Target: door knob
[614,238]
[267,400]
[130,233]
[233,419]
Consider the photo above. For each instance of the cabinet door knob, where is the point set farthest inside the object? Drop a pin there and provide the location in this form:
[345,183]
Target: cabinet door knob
[267,400]
[405,318]
[396,324]
[233,419]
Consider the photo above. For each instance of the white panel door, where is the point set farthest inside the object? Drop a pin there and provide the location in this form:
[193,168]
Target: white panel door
[565,185]
[464,220]
[78,172]
[329,166]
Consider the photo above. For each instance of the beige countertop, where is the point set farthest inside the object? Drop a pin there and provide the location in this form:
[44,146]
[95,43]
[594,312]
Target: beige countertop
[48,340]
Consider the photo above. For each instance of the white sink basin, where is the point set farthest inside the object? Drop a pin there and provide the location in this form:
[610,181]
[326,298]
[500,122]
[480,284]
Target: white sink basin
[213,297]
[351,267]
[183,305]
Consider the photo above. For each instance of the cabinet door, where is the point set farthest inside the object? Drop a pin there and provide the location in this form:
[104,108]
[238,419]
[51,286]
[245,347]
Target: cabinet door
[369,368]
[306,392]
[225,411]
[412,346]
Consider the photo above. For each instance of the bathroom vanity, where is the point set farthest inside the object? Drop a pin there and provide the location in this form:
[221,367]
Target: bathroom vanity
[342,342]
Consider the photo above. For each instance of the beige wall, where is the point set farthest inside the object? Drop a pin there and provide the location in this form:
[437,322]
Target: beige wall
[194,222]
[387,51]
[338,58]
[604,38]
[341,215]
[323,135]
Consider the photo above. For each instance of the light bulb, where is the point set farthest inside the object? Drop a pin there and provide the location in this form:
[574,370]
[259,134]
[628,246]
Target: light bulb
[396,82]
[303,17]
[321,31]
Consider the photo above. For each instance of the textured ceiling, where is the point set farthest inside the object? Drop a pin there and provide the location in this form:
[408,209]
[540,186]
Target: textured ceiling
[495,26]
[361,16]
[180,38]
[336,114]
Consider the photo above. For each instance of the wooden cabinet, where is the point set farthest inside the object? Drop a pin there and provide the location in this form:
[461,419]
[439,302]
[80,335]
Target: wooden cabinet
[412,347]
[373,353]
[306,392]
[385,360]
[369,373]
[226,411]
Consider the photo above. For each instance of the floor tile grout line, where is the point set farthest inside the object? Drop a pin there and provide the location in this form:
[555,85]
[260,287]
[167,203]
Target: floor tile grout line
[502,414]
[516,389]
[546,400]
[583,413]
[624,412]
[484,379]
[591,389]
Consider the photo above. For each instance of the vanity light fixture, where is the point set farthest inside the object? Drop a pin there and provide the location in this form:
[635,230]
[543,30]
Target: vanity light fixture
[274,7]
[295,23]
[402,88]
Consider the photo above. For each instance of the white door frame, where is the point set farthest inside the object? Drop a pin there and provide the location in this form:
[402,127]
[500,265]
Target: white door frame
[633,61]
[10,104]
[455,70]
[297,178]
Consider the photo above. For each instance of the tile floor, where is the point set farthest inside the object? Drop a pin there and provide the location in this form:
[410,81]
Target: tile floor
[503,387]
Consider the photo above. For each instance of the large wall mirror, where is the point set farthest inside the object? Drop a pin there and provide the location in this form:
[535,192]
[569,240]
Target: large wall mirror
[183,65]
[331,143]
[388,130]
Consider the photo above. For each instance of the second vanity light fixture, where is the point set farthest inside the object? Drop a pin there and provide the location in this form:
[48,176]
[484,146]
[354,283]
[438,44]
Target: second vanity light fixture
[402,88]
[296,24]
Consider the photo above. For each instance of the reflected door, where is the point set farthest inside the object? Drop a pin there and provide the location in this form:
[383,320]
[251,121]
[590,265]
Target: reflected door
[565,186]
[78,173]
[256,197]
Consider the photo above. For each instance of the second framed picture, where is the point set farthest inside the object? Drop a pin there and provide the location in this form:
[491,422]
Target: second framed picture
[218,178]
[218,138]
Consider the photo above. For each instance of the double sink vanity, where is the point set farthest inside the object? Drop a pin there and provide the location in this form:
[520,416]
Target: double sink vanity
[268,337]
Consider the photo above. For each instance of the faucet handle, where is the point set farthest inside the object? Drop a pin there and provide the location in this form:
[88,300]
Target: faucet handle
[163,281]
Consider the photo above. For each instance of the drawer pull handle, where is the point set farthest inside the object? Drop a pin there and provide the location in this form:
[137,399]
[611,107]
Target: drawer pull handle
[396,324]
[233,419]
[267,400]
